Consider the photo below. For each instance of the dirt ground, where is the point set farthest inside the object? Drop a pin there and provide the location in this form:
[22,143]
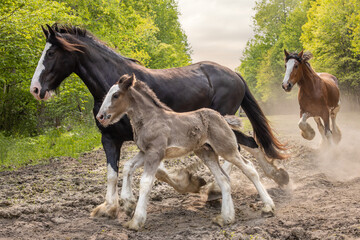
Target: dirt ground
[54,200]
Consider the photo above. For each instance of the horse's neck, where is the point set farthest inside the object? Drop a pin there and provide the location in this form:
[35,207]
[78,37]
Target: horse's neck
[141,109]
[99,70]
[309,82]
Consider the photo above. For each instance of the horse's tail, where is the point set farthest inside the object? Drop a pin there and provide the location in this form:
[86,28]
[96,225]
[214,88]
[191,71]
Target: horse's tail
[236,124]
[262,130]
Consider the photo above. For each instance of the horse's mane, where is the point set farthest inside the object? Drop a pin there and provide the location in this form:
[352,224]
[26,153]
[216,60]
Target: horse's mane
[145,90]
[76,31]
[304,59]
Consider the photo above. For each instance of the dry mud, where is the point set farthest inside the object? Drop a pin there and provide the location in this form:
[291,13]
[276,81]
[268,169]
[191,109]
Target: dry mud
[322,201]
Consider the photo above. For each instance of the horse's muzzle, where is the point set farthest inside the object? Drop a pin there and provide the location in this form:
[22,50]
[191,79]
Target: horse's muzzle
[103,118]
[287,86]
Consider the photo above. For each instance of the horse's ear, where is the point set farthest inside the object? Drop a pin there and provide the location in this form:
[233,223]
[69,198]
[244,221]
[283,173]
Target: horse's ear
[46,32]
[127,81]
[300,55]
[286,53]
[51,31]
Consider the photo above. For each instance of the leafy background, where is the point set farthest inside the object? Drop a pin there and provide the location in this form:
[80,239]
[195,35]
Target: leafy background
[149,30]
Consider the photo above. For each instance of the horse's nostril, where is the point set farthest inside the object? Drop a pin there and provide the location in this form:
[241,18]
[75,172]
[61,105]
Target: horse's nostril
[101,117]
[36,90]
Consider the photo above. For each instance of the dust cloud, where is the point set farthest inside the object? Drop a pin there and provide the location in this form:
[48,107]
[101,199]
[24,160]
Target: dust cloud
[341,161]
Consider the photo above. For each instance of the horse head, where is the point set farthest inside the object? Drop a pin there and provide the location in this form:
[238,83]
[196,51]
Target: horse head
[293,74]
[116,102]
[58,61]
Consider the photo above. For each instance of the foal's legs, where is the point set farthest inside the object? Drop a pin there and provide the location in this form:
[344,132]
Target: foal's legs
[227,208]
[249,170]
[151,163]
[126,191]
[306,130]
[335,129]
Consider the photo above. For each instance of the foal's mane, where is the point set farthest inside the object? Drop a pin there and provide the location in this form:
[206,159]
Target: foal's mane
[76,32]
[145,90]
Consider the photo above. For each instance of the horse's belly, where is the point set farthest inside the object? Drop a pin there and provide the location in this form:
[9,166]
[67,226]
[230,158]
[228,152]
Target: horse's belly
[174,152]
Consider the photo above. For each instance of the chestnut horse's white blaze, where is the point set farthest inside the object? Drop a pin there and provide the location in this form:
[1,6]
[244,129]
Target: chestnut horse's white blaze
[35,86]
[289,68]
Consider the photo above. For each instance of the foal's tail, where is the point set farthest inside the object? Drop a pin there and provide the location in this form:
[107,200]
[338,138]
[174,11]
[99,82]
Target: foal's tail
[262,130]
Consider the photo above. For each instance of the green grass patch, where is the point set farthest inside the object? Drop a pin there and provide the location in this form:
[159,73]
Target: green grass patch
[16,152]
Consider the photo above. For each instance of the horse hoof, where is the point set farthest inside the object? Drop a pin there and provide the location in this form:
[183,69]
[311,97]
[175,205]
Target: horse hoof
[281,177]
[308,135]
[129,207]
[268,211]
[132,225]
[106,210]
[219,220]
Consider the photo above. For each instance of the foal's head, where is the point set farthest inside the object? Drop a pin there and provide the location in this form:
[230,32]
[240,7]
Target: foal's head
[58,59]
[294,63]
[116,101]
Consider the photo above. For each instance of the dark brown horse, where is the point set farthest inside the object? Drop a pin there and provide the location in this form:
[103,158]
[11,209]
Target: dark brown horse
[319,96]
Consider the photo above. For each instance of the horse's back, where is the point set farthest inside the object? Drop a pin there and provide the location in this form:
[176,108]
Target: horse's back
[332,88]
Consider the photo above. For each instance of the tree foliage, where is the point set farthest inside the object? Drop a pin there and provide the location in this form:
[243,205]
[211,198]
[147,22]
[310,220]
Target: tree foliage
[146,30]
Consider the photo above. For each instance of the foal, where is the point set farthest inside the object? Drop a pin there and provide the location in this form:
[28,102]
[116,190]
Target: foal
[319,96]
[161,133]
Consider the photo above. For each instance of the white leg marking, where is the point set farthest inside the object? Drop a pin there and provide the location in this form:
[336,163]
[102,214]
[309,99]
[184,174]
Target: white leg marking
[249,170]
[112,189]
[128,170]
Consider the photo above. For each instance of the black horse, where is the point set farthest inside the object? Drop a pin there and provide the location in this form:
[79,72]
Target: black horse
[71,49]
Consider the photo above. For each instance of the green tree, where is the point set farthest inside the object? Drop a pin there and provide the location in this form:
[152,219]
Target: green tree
[330,34]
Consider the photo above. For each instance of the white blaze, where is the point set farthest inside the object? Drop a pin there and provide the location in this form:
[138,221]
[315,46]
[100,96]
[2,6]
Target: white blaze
[39,69]
[107,101]
[289,68]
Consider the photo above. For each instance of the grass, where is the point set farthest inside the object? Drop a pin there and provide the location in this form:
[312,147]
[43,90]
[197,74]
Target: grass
[16,152]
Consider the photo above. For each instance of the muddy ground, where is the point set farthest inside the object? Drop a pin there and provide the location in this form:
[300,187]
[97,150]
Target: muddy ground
[322,201]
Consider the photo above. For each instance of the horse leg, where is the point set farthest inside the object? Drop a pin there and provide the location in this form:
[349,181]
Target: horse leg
[279,175]
[321,129]
[306,130]
[210,159]
[249,170]
[335,129]
[325,117]
[182,180]
[110,208]
[126,191]
[151,163]
[214,191]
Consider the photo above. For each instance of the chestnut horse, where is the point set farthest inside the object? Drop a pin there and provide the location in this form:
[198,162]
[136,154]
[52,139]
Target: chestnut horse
[160,133]
[319,96]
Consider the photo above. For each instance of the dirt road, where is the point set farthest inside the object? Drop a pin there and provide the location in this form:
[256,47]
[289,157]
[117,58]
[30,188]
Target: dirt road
[322,201]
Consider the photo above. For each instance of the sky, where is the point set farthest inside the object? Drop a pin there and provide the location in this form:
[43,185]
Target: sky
[217,30]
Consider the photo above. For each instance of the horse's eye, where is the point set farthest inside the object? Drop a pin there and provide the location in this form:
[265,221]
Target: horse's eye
[51,53]
[296,66]
[116,95]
